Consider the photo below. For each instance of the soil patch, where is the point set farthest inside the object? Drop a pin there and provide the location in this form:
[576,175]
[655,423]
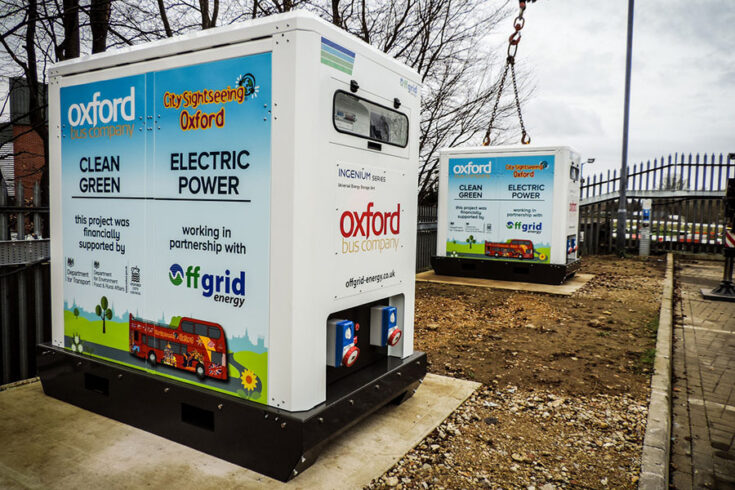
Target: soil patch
[566,381]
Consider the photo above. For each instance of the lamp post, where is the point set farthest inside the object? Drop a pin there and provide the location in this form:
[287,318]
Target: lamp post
[581,175]
[622,213]
[581,170]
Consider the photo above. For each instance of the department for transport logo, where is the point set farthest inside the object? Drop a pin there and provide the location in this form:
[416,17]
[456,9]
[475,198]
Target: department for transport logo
[176,274]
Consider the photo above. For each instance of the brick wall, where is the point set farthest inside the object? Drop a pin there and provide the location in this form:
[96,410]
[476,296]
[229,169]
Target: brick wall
[28,149]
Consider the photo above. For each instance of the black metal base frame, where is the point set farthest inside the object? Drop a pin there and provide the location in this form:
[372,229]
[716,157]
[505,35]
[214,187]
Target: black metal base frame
[504,270]
[724,292]
[276,443]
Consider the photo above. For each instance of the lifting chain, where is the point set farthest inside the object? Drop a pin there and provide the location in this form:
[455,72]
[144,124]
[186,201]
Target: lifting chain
[513,41]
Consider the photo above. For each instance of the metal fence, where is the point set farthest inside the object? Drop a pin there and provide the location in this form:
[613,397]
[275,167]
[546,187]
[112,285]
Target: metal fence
[687,211]
[25,313]
[687,215]
[425,237]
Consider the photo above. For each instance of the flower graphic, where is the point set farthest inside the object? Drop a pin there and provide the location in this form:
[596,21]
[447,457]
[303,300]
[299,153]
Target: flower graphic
[250,381]
[76,344]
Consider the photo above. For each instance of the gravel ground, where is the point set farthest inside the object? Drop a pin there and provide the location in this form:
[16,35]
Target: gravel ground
[565,382]
[508,438]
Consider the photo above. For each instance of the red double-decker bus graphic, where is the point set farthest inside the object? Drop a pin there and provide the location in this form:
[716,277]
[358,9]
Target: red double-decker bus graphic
[515,249]
[195,345]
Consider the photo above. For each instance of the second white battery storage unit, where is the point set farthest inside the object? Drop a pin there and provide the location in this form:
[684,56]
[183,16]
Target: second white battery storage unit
[508,213]
[233,241]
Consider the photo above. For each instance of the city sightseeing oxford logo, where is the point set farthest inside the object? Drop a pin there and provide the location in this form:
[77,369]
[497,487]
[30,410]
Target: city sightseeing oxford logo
[247,81]
[176,274]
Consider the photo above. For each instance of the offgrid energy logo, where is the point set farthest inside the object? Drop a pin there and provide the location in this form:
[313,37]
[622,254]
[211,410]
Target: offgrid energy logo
[176,274]
[222,288]
[535,227]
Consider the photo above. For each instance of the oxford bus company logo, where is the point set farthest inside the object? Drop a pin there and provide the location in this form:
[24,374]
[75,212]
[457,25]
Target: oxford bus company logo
[472,169]
[102,110]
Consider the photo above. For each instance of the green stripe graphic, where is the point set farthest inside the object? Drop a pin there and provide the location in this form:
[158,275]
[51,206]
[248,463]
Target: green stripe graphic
[341,68]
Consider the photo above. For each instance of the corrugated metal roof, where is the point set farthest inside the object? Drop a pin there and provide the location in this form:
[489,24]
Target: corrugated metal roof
[20,100]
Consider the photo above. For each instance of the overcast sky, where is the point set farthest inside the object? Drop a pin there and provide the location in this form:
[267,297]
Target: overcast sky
[683,82]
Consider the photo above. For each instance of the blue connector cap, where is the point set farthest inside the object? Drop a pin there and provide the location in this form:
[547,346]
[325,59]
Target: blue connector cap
[341,343]
[384,329]
[389,321]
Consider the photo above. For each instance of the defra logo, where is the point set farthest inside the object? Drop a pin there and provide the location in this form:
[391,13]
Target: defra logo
[102,110]
[472,168]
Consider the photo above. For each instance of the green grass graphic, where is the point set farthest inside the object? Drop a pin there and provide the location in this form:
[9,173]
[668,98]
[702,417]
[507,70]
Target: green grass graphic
[116,336]
[477,250]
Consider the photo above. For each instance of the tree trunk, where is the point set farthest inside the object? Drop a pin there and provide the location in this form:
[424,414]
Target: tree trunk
[336,20]
[69,47]
[164,18]
[99,20]
[36,101]
[208,21]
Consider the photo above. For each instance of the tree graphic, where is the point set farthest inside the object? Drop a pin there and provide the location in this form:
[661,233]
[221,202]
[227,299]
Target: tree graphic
[76,313]
[103,311]
[471,240]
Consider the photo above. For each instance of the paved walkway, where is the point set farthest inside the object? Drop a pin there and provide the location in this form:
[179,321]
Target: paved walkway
[46,443]
[703,453]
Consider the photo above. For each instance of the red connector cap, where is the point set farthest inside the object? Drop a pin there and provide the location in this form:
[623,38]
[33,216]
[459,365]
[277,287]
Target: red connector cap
[351,356]
[394,337]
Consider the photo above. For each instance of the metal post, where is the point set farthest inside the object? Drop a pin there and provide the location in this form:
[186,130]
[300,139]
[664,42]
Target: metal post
[4,292]
[644,229]
[581,174]
[21,225]
[622,212]
[37,203]
[22,325]
[726,290]
[38,301]
[3,217]
[5,327]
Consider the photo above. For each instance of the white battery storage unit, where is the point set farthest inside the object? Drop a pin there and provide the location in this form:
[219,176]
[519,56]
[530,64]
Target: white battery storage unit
[227,208]
[508,213]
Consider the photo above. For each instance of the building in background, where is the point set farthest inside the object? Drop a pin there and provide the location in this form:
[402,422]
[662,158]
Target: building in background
[21,150]
[7,162]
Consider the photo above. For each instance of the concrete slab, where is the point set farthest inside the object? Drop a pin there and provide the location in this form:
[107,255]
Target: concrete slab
[48,443]
[566,289]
